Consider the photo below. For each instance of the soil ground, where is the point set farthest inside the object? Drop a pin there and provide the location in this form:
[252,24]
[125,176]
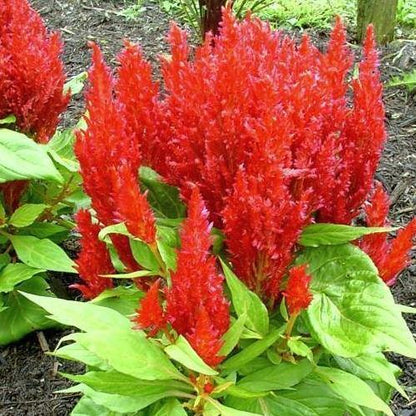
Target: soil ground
[28,376]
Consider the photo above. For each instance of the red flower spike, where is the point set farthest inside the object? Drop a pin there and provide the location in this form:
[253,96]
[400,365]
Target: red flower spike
[205,339]
[150,316]
[196,305]
[31,71]
[93,260]
[297,293]
[132,206]
[399,255]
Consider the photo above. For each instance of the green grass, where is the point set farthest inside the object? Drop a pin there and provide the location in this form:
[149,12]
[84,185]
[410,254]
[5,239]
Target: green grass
[133,9]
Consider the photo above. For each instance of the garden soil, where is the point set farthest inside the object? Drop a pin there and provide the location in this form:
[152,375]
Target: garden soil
[28,377]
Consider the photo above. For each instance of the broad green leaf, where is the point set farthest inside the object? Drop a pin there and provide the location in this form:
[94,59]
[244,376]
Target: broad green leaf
[247,303]
[309,398]
[233,335]
[2,214]
[132,275]
[143,255]
[168,243]
[26,214]
[315,235]
[45,230]
[406,309]
[122,299]
[85,316]
[4,260]
[162,197]
[182,352]
[76,84]
[171,407]
[373,367]
[42,254]
[76,352]
[228,411]
[87,407]
[8,120]
[116,403]
[352,312]
[277,377]
[113,382]
[252,351]
[352,389]
[22,158]
[129,352]
[22,316]
[14,274]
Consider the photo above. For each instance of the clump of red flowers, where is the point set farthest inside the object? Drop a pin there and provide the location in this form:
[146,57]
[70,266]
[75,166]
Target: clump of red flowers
[31,71]
[390,255]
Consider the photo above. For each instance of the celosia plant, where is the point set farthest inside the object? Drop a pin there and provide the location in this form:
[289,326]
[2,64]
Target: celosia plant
[38,173]
[292,316]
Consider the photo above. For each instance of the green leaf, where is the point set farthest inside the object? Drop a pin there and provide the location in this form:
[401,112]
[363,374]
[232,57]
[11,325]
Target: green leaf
[119,228]
[352,389]
[233,335]
[144,255]
[315,235]
[122,299]
[228,411]
[2,214]
[277,377]
[182,352]
[162,197]
[45,230]
[309,398]
[87,407]
[252,351]
[247,303]
[167,243]
[297,347]
[42,254]
[113,382]
[129,352]
[11,119]
[85,316]
[22,158]
[132,275]
[14,274]
[352,312]
[373,367]
[76,352]
[76,84]
[26,214]
[171,407]
[22,316]
[61,149]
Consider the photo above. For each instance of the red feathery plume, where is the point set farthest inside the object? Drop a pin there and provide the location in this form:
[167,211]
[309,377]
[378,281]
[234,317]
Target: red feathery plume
[391,256]
[93,260]
[297,293]
[150,316]
[196,304]
[31,71]
[131,205]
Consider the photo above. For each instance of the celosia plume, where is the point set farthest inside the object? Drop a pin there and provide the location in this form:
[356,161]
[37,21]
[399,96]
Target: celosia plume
[297,294]
[150,316]
[109,159]
[31,71]
[93,260]
[196,305]
[391,256]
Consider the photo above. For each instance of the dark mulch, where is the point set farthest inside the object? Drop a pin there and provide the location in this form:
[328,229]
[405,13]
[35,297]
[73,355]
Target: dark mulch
[28,376]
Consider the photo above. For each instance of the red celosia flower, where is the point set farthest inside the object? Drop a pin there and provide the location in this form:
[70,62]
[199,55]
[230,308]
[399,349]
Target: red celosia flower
[109,158]
[297,293]
[94,260]
[205,340]
[390,256]
[31,71]
[150,316]
[131,205]
[196,305]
